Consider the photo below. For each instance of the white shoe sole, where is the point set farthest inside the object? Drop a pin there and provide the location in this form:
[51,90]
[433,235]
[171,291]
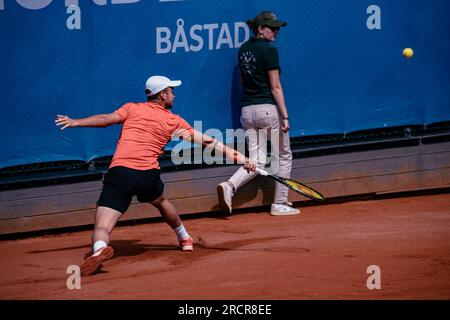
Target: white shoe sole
[284,213]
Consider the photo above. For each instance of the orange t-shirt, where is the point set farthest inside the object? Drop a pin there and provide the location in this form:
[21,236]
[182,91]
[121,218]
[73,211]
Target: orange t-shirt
[147,128]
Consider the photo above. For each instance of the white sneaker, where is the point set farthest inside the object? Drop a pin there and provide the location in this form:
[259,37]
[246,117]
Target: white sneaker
[225,195]
[283,210]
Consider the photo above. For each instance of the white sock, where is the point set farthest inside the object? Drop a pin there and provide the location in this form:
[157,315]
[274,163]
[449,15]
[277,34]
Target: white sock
[99,245]
[181,232]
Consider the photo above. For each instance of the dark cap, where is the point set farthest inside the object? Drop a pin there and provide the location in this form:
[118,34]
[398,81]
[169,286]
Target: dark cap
[266,18]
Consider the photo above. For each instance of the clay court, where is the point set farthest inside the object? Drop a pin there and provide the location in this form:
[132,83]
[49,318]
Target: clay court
[323,253]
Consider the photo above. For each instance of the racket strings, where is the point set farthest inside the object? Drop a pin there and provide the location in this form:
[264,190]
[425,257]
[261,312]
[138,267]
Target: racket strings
[303,189]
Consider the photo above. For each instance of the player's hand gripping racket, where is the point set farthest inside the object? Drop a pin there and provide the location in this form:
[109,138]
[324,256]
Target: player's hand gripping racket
[293,185]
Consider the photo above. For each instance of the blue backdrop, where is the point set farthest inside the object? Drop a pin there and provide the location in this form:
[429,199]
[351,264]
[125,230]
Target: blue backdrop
[338,75]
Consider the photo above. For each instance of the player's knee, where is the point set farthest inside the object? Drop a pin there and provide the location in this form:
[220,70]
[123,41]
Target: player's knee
[157,202]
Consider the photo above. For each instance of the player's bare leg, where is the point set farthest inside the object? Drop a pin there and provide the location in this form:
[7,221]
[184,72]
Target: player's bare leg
[171,217]
[105,221]
[168,212]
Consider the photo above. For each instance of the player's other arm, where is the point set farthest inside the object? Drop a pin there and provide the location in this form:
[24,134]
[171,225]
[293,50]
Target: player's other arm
[205,141]
[98,120]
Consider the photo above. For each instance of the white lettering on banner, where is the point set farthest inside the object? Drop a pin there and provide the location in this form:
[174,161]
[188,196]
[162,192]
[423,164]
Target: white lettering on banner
[105,2]
[196,41]
[194,36]
[191,39]
[34,4]
[41,4]
[224,37]
[210,28]
[237,26]
[160,40]
[124,1]
[180,34]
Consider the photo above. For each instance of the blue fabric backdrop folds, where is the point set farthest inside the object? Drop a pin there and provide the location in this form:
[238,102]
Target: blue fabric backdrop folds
[339,76]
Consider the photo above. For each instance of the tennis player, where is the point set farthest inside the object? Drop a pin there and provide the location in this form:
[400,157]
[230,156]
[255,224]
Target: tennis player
[134,169]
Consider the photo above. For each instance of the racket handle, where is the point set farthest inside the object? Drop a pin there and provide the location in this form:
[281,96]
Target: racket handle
[261,171]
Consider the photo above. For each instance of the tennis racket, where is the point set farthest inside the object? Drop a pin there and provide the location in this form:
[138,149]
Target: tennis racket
[294,185]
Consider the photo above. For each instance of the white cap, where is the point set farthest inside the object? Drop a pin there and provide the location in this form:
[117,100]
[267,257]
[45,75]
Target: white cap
[157,84]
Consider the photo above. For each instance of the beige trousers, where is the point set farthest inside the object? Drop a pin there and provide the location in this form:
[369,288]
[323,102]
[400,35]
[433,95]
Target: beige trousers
[262,123]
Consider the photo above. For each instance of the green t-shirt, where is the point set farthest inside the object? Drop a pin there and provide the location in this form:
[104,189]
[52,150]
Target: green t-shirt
[256,57]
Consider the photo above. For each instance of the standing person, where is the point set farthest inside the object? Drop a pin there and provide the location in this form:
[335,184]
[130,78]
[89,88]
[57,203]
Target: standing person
[134,170]
[263,108]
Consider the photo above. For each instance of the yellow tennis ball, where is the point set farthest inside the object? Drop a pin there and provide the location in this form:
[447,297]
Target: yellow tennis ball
[408,53]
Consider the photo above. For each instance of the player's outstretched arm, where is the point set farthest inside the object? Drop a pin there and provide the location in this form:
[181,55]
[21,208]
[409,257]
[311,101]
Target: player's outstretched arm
[205,140]
[99,120]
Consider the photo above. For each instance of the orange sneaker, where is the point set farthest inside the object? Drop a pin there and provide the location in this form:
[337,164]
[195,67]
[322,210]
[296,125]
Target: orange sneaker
[187,244]
[93,263]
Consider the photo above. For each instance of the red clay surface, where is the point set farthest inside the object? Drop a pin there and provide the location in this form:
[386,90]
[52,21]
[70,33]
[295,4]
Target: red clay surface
[323,253]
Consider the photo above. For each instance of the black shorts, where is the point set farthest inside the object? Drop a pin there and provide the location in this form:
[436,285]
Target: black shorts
[121,184]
